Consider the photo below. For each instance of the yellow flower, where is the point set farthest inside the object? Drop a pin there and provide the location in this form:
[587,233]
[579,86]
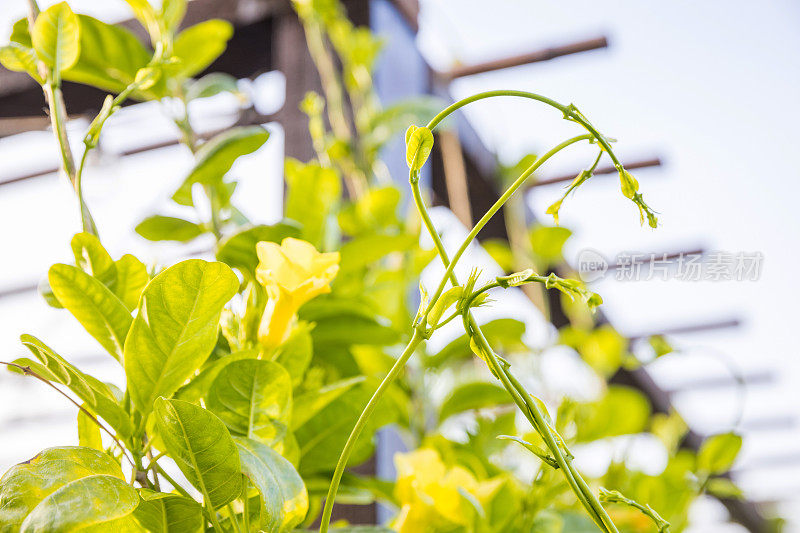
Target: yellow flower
[292,273]
[430,493]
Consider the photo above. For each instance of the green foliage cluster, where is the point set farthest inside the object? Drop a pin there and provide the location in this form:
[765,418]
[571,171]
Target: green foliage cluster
[217,427]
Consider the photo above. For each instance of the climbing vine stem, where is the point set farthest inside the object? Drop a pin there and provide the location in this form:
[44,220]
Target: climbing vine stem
[499,368]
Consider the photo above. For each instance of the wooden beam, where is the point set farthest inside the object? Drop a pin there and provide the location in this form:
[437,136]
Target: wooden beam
[535,56]
[698,327]
[651,162]
[250,119]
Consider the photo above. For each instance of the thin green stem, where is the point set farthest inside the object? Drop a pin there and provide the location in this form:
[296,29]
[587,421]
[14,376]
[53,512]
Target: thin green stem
[527,407]
[28,371]
[58,118]
[398,366]
[55,100]
[569,112]
[565,463]
[86,217]
[435,121]
[153,460]
[495,208]
[212,515]
[447,320]
[232,515]
[175,484]
[246,511]
[189,139]
[531,412]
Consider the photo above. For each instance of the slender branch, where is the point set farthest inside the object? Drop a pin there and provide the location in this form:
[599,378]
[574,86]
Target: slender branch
[232,516]
[570,112]
[246,511]
[531,410]
[495,208]
[33,12]
[175,484]
[520,396]
[398,366]
[28,371]
[153,460]
[588,500]
[355,179]
[55,101]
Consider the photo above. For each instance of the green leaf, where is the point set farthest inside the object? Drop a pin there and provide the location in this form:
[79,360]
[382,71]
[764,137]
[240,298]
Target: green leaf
[419,143]
[505,334]
[295,353]
[85,502]
[162,228]
[670,429]
[547,243]
[536,450]
[621,411]
[321,438]
[176,327]
[393,119]
[198,387]
[160,512]
[476,395]
[628,184]
[661,346]
[312,211]
[26,486]
[47,293]
[88,431]
[282,490]
[362,251]
[196,47]
[93,259]
[132,277]
[345,330]
[98,310]
[449,298]
[253,398]
[239,249]
[56,37]
[329,306]
[94,393]
[216,157]
[211,85]
[718,453]
[203,449]
[548,521]
[500,252]
[603,348]
[110,56]
[723,488]
[374,210]
[146,15]
[20,33]
[362,529]
[171,14]
[344,322]
[20,58]
[307,405]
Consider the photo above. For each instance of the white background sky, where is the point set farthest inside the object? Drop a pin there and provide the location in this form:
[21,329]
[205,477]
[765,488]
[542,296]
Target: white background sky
[711,87]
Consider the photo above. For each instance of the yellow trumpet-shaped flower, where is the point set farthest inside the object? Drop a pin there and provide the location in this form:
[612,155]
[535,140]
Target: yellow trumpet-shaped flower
[430,493]
[292,273]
